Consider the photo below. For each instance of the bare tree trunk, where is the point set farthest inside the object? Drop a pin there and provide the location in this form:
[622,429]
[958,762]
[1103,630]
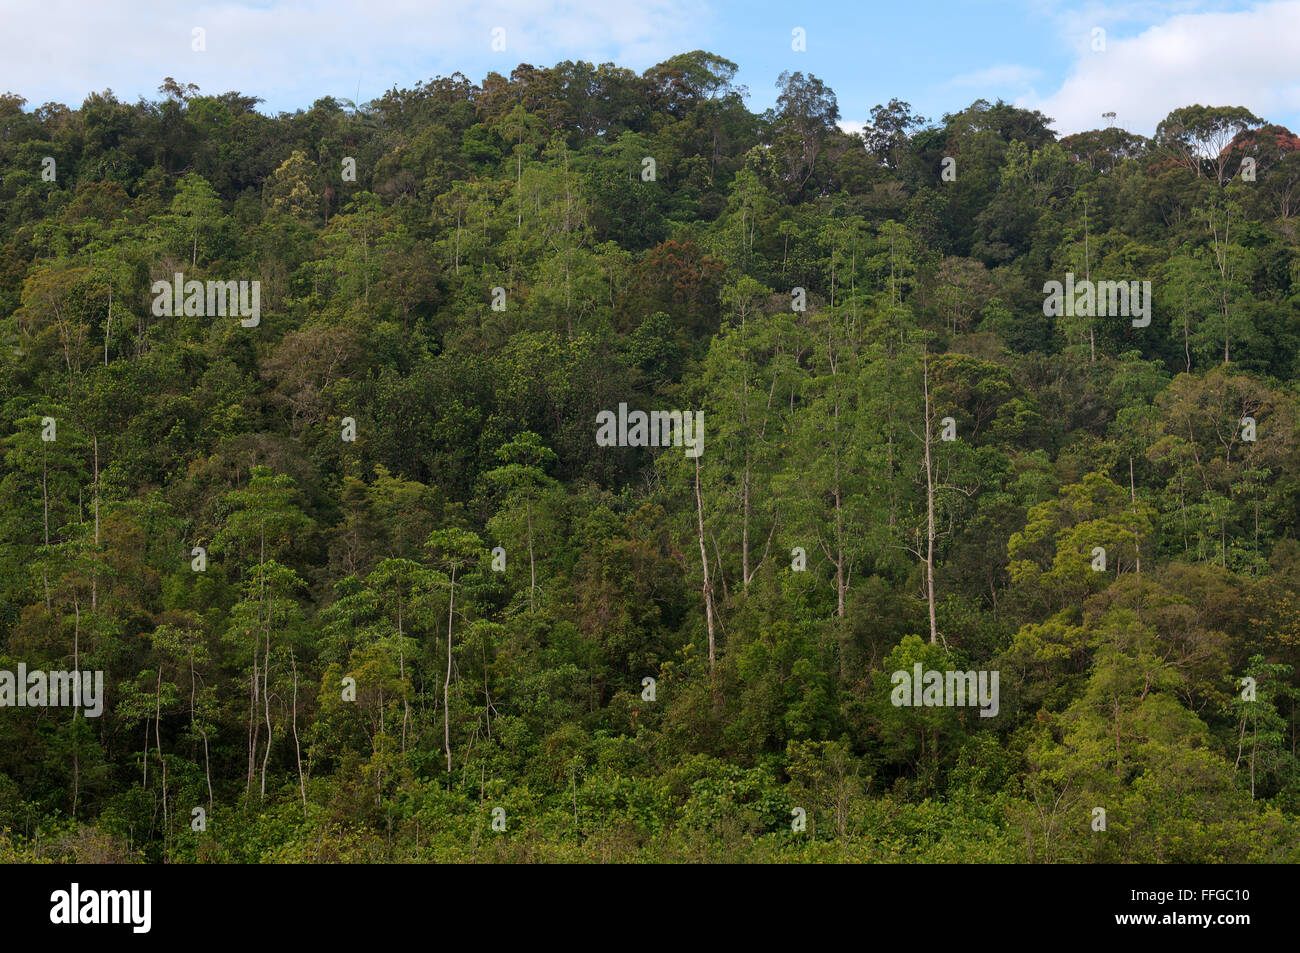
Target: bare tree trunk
[1132,491]
[1253,741]
[929,500]
[94,575]
[532,564]
[76,766]
[1087,276]
[707,587]
[252,724]
[446,685]
[76,667]
[157,737]
[45,502]
[841,583]
[1221,258]
[266,702]
[401,671]
[302,785]
[1119,766]
[744,527]
[207,763]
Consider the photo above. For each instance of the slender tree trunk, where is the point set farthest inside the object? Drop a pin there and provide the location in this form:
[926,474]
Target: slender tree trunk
[929,501]
[76,763]
[401,671]
[207,764]
[1253,741]
[157,737]
[1119,768]
[532,564]
[1132,490]
[266,688]
[722,571]
[45,503]
[487,696]
[841,584]
[707,587]
[1087,276]
[252,722]
[94,575]
[446,685]
[76,667]
[744,526]
[302,785]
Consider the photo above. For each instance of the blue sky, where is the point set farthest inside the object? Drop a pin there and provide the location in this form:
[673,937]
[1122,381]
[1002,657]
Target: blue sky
[1159,54]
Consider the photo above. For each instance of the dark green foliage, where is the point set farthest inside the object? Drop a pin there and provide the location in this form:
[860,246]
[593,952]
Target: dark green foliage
[461,608]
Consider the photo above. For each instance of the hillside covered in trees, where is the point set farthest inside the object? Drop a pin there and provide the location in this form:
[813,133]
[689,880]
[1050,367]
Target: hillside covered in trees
[364,585]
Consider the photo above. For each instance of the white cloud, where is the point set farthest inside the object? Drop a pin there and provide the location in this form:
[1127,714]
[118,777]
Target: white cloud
[1245,58]
[1001,76]
[304,49]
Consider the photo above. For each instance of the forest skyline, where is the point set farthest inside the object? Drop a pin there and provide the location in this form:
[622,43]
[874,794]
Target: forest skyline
[1147,60]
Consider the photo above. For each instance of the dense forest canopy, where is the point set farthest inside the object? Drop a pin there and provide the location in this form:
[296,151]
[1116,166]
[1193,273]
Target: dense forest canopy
[364,585]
